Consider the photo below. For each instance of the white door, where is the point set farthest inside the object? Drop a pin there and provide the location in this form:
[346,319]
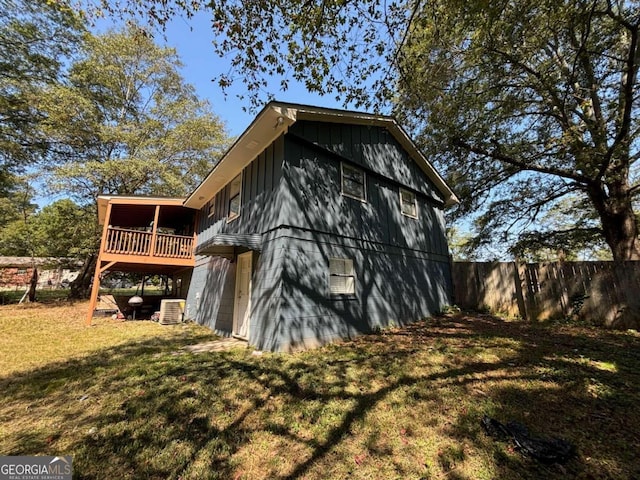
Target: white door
[242,304]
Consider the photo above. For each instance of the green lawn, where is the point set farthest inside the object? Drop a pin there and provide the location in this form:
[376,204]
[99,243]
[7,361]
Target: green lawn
[45,296]
[126,401]
[57,295]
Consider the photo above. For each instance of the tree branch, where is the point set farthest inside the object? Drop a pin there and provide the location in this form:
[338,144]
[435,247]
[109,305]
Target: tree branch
[496,155]
[627,86]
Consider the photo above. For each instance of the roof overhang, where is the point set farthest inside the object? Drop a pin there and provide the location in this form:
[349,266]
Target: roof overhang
[104,200]
[274,120]
[224,244]
[270,123]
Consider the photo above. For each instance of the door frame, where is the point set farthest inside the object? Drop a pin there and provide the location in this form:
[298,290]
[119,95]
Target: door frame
[236,312]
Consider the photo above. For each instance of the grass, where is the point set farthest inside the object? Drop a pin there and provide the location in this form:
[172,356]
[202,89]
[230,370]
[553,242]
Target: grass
[126,401]
[57,295]
[44,296]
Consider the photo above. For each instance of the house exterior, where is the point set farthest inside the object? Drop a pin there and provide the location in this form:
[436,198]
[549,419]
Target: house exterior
[317,225]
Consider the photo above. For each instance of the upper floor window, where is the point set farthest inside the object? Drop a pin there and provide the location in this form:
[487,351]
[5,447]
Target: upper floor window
[235,190]
[353,182]
[408,203]
[211,209]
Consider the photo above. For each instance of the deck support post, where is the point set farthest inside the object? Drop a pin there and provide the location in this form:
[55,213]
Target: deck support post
[95,288]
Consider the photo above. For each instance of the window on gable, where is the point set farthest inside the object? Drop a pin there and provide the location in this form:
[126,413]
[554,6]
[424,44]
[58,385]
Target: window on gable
[211,209]
[342,279]
[235,190]
[408,204]
[353,182]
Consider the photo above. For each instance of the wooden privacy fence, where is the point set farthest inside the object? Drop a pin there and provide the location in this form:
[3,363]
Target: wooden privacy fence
[606,293]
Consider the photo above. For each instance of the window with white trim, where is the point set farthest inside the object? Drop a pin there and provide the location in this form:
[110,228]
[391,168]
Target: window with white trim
[408,203]
[235,192]
[342,279]
[353,182]
[211,209]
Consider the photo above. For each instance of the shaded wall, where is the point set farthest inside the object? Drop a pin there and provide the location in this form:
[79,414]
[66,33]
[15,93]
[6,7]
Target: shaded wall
[211,294]
[393,287]
[291,195]
[261,202]
[401,264]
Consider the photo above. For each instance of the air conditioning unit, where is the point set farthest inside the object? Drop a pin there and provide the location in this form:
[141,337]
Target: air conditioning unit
[171,311]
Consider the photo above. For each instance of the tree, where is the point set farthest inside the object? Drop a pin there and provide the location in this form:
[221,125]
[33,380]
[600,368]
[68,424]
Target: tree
[127,123]
[62,230]
[17,236]
[534,103]
[523,103]
[35,38]
[66,230]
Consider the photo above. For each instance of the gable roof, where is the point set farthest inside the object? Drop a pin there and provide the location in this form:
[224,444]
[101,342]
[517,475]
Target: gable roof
[274,120]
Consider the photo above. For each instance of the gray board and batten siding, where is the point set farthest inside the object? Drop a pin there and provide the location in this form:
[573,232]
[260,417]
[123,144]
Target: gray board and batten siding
[292,200]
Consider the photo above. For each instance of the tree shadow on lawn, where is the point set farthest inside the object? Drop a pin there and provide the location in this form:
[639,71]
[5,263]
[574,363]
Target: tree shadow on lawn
[405,403]
[580,384]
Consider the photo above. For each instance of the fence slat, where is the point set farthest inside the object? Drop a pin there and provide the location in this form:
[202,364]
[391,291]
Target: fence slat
[606,293]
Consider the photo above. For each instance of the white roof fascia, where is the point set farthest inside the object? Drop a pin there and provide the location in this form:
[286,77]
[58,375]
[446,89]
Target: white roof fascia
[271,122]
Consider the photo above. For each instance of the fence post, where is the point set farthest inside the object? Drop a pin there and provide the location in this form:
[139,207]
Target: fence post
[520,297]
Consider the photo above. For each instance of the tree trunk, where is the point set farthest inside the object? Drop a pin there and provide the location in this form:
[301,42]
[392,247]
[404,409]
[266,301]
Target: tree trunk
[33,283]
[619,224]
[81,286]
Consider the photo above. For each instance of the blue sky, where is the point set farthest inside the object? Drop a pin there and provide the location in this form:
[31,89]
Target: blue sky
[192,40]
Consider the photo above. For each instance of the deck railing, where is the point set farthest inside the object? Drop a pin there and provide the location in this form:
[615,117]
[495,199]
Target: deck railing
[123,241]
[174,246]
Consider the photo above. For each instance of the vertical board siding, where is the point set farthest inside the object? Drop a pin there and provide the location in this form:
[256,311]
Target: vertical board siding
[292,196]
[392,288]
[314,201]
[402,265]
[258,195]
[370,147]
[211,294]
[268,174]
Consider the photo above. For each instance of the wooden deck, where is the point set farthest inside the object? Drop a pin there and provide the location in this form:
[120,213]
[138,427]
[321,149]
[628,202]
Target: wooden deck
[153,247]
[148,235]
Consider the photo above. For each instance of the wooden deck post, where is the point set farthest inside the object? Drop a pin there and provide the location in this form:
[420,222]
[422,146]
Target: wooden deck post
[154,232]
[95,288]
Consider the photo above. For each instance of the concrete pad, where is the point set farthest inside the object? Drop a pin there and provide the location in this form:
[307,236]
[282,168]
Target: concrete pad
[216,345]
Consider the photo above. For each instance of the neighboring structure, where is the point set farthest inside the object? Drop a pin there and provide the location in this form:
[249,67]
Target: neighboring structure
[16,272]
[318,224]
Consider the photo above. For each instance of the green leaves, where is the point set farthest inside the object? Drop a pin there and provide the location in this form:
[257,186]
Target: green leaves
[127,123]
[117,118]
[523,104]
[35,38]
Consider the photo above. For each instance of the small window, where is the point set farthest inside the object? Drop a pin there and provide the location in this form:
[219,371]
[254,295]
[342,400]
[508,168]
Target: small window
[235,190]
[353,183]
[211,209]
[408,204]
[342,280]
